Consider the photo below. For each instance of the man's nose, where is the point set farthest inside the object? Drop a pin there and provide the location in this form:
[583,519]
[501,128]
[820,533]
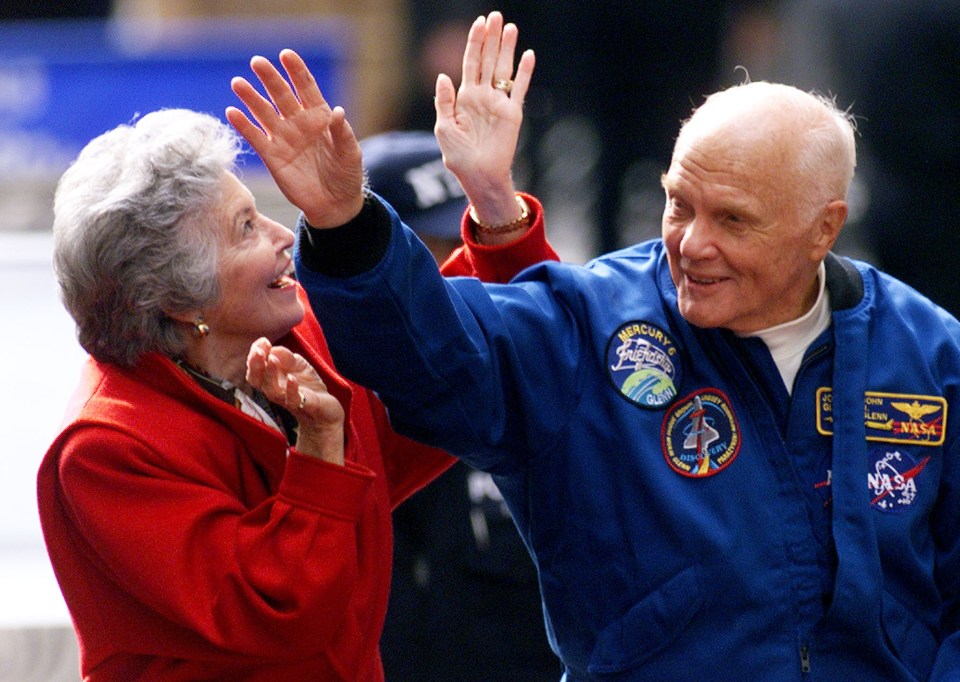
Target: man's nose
[698,239]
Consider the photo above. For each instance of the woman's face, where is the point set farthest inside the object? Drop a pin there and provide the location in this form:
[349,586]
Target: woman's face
[258,294]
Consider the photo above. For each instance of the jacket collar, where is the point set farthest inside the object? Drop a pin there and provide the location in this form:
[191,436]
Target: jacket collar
[844,282]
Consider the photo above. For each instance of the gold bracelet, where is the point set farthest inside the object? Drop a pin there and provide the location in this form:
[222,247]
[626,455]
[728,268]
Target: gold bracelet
[521,222]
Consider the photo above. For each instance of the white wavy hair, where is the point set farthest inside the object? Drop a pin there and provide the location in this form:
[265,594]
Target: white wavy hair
[135,235]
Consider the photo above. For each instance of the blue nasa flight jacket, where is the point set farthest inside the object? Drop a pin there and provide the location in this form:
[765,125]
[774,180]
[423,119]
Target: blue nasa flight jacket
[688,518]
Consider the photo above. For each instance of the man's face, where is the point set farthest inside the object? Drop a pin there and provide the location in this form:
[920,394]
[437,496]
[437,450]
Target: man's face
[741,254]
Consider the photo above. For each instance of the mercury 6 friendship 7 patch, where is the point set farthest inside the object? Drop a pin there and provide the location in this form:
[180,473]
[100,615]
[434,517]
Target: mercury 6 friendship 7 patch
[892,417]
[643,364]
[700,434]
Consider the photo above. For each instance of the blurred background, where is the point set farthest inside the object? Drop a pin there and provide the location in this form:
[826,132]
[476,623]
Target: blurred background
[613,81]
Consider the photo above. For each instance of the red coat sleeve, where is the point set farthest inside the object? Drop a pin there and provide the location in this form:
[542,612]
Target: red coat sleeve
[501,263]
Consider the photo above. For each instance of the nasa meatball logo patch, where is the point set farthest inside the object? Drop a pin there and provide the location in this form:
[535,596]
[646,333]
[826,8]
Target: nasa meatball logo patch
[643,364]
[700,434]
[893,478]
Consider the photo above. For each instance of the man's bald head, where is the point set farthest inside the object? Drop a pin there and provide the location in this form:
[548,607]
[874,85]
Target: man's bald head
[804,138]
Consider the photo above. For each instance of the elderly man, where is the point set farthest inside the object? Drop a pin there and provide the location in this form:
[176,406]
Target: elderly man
[730,452]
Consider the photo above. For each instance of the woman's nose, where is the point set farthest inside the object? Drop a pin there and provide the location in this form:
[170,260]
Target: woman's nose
[282,236]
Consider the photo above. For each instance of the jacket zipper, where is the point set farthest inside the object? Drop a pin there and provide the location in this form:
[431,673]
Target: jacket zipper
[804,658]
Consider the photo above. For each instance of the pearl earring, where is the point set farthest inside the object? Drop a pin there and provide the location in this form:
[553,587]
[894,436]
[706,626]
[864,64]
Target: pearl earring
[200,328]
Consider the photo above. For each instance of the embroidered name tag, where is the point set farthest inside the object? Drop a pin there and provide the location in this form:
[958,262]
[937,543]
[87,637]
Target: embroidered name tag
[892,417]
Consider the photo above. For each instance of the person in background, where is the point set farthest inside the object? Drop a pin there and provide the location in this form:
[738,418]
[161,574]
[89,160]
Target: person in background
[436,31]
[406,168]
[464,601]
[731,452]
[217,505]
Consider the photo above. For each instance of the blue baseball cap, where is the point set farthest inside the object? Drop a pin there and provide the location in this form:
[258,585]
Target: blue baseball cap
[406,168]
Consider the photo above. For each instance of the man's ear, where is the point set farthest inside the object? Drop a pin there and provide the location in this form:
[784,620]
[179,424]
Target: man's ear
[829,223]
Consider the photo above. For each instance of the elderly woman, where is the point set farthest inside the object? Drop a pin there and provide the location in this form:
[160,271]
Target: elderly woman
[218,503]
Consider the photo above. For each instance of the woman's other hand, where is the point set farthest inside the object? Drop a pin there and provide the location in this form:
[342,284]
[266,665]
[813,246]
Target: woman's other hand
[287,379]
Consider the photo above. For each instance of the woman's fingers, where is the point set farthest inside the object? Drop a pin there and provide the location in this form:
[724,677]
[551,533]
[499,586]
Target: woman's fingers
[491,49]
[521,82]
[473,51]
[446,98]
[503,68]
[489,57]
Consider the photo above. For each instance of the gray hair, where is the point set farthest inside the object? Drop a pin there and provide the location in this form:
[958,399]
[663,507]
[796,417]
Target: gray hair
[823,136]
[134,236]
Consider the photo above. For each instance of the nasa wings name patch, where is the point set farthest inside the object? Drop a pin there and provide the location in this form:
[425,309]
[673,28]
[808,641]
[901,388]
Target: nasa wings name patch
[700,434]
[643,364]
[892,417]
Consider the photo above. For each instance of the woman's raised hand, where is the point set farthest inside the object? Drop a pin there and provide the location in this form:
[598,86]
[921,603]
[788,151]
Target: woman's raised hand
[478,125]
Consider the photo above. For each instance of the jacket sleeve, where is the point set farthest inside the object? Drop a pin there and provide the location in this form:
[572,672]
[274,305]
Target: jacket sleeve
[273,580]
[408,464]
[461,364]
[501,263]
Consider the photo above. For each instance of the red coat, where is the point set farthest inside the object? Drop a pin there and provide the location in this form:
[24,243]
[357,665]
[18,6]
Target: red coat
[189,544]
